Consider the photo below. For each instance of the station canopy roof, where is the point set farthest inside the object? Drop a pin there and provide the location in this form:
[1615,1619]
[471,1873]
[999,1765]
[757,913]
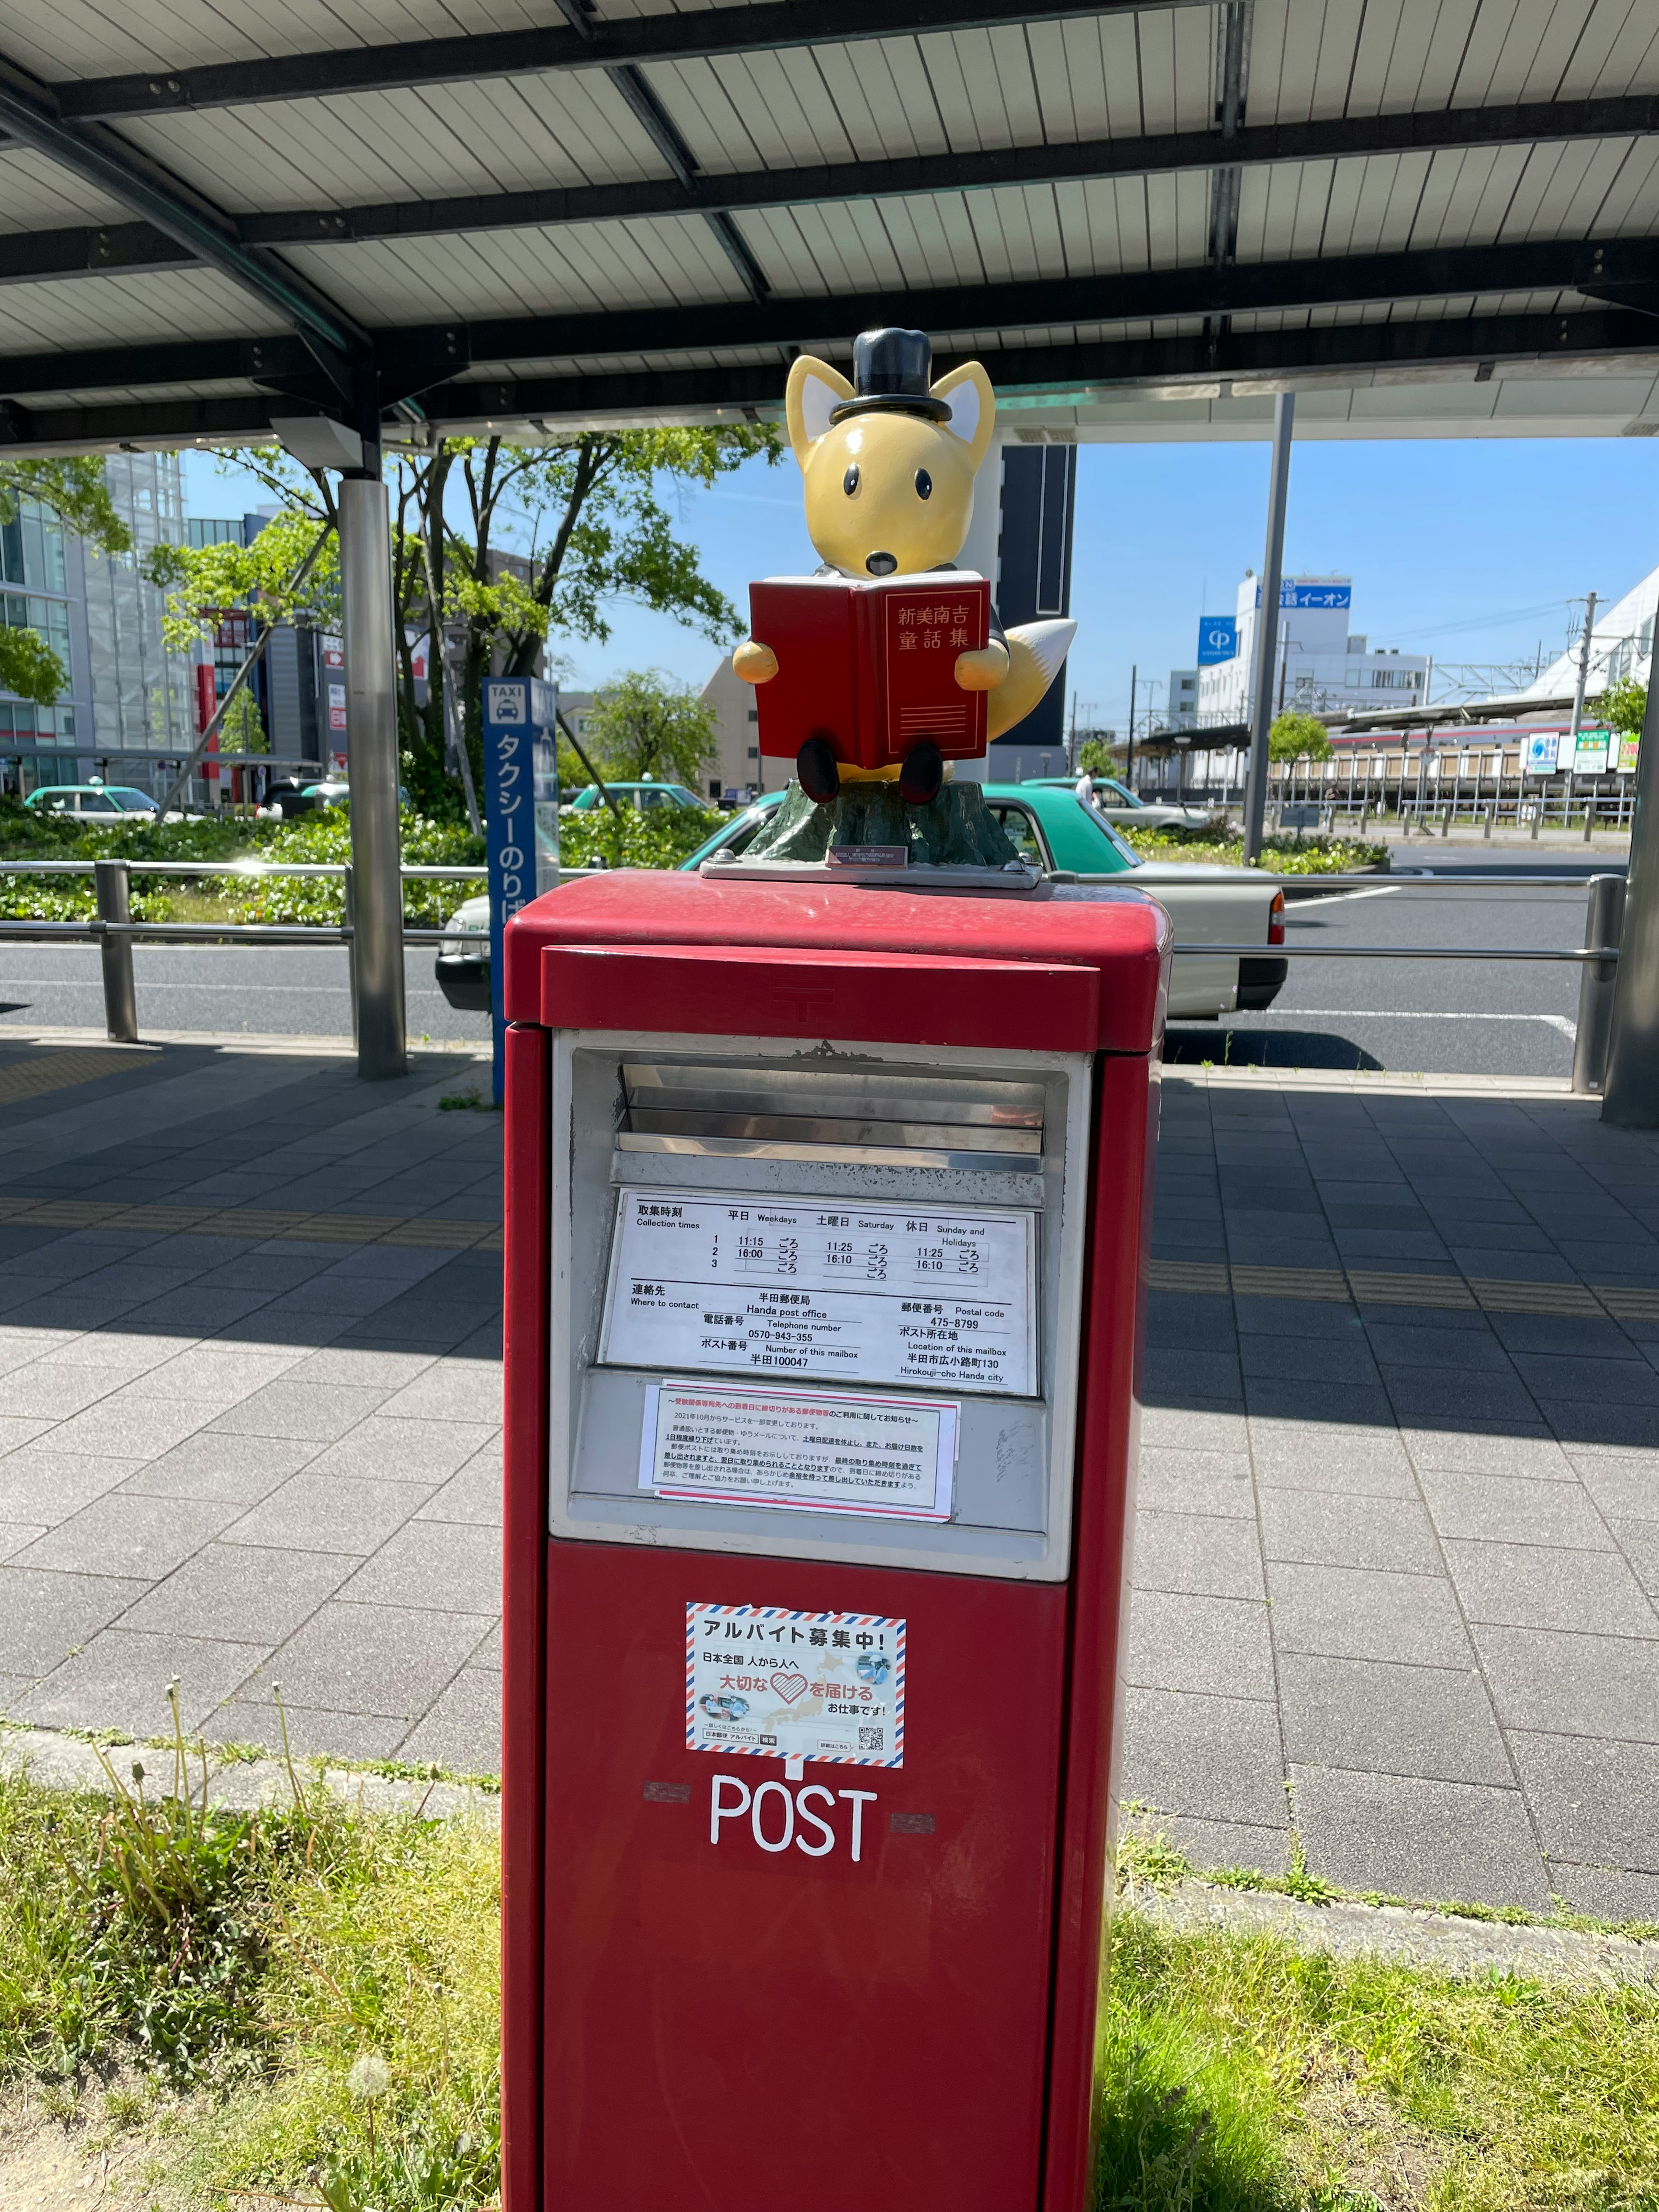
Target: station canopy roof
[1428,216]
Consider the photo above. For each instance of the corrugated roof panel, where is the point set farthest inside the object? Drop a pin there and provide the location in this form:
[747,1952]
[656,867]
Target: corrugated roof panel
[1469,197]
[1631,206]
[81,41]
[747,111]
[1155,36]
[1557,181]
[1336,37]
[1288,216]
[1372,89]
[901,98]
[864,102]
[495,135]
[1008,61]
[671,261]
[1616,52]
[113,310]
[1098,65]
[35,194]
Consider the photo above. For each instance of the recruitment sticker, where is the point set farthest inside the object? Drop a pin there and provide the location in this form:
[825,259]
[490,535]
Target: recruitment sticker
[824,1291]
[762,1682]
[813,1451]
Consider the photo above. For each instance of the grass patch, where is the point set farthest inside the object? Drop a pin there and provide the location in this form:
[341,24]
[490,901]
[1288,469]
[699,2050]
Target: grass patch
[303,2000]
[468,1101]
[1240,2074]
[304,2003]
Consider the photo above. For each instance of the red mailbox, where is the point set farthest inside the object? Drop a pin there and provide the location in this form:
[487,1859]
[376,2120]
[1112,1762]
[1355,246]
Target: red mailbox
[826,1211]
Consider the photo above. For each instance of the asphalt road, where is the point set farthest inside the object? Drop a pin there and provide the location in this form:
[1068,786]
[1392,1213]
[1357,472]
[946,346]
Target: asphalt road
[1485,1018]
[1481,1017]
[231,989]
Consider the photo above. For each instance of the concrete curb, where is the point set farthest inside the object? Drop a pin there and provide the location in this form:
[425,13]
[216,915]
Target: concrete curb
[1415,1937]
[66,1762]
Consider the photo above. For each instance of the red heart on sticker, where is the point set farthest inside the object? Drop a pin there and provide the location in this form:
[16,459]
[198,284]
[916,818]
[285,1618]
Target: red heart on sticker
[789,1687]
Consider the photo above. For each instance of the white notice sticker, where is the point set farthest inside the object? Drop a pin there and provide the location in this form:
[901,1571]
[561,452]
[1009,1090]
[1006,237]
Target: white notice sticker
[762,1682]
[832,1290]
[814,1451]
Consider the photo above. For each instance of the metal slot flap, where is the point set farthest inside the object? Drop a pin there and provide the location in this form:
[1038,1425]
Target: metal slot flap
[794,1113]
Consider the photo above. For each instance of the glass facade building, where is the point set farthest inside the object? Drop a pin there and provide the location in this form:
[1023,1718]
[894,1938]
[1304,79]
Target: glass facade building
[128,700]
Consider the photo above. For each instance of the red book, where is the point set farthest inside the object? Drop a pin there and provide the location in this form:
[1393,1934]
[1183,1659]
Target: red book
[872,667]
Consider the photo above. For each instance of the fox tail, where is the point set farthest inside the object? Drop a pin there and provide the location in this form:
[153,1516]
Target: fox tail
[1036,651]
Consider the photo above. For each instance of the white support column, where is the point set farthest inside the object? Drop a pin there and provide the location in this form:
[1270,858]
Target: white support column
[377,947]
[1266,626]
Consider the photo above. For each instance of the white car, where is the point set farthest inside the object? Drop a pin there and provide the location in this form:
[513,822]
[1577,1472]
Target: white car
[1123,809]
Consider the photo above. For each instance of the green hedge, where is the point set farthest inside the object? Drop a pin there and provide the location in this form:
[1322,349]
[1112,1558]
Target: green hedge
[657,837]
[1282,856]
[313,839]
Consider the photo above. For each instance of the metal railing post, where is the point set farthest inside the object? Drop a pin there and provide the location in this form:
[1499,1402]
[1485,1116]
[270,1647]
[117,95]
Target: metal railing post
[1604,921]
[109,879]
[349,884]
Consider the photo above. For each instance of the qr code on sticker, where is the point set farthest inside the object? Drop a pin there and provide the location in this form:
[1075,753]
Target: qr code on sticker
[870,1739]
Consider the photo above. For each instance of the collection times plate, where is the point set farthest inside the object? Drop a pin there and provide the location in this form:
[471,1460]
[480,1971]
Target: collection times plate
[826,1289]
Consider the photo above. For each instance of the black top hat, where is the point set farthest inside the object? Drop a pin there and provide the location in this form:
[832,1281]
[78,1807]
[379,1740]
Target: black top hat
[891,370]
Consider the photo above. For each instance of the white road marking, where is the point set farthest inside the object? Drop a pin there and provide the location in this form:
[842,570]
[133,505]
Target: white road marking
[1293,907]
[1568,1028]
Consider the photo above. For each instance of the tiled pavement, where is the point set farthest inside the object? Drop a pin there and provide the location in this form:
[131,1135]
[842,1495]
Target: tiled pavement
[1397,1546]
[249,1398]
[1397,1549]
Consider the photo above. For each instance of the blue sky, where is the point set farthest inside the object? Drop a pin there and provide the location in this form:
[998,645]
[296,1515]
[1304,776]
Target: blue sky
[1469,549]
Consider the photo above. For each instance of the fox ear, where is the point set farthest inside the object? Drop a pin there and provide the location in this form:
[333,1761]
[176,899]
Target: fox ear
[814,388]
[972,405]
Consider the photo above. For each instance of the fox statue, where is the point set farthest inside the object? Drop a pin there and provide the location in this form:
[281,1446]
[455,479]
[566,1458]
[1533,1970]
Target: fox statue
[888,463]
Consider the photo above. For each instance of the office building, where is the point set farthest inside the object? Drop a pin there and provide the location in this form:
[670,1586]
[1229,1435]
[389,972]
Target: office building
[1321,666]
[1182,711]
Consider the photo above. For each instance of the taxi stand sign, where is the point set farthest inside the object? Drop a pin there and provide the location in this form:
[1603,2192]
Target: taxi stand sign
[521,803]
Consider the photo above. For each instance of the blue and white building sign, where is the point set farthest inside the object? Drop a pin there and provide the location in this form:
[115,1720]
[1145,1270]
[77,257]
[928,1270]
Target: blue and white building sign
[1217,638]
[521,807]
[1295,592]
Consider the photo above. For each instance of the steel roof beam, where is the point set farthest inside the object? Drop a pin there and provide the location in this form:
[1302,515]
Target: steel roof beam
[605,42]
[28,256]
[30,112]
[1241,287]
[1118,366]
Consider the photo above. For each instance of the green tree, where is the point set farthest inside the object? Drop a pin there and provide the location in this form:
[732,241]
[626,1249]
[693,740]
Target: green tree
[75,495]
[1299,737]
[646,725]
[1096,757]
[1622,707]
[501,550]
[243,730]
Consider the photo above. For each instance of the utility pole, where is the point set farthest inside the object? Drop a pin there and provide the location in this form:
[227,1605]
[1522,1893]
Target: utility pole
[1583,669]
[1266,625]
[1129,757]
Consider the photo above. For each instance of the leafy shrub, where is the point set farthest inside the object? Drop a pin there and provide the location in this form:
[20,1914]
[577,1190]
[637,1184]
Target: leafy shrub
[649,837]
[1283,855]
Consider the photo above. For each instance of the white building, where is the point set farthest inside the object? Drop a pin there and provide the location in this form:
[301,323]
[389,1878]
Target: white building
[1182,712]
[1321,666]
[1621,647]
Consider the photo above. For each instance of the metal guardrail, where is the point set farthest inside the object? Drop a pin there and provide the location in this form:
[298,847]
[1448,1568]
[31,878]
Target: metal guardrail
[115,932]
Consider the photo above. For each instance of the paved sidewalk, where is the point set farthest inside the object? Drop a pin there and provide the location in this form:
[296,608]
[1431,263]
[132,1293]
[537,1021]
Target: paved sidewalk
[1398,1536]
[250,1396]
[1398,1531]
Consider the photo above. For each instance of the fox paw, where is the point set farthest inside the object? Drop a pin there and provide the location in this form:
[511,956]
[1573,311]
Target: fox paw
[983,671]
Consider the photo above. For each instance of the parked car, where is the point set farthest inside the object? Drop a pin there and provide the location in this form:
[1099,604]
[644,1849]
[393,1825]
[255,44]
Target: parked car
[1050,826]
[647,792]
[1122,807]
[462,967]
[284,800]
[93,802]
